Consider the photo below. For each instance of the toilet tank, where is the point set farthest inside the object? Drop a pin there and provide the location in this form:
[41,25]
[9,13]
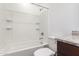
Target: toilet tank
[52,43]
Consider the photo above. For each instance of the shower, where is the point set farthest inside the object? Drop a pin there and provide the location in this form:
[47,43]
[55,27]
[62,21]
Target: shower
[22,26]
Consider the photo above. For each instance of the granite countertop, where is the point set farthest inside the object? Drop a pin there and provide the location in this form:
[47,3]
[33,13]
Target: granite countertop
[70,39]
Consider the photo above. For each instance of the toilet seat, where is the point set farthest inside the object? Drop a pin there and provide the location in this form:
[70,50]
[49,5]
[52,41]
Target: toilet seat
[44,52]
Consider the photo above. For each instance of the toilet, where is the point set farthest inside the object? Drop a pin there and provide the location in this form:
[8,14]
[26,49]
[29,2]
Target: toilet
[44,52]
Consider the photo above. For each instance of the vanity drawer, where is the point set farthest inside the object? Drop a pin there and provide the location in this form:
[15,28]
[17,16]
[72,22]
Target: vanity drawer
[67,49]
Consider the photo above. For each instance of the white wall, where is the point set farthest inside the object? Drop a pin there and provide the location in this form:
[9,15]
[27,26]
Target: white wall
[59,19]
[62,18]
[76,17]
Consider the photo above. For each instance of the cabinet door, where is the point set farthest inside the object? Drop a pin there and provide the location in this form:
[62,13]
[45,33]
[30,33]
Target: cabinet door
[67,49]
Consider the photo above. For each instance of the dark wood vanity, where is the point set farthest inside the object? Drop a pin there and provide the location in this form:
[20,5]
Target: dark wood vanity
[66,49]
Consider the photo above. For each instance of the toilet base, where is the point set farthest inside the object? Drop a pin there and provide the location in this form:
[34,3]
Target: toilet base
[44,52]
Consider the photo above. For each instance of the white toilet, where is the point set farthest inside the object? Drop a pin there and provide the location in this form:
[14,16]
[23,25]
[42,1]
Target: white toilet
[44,52]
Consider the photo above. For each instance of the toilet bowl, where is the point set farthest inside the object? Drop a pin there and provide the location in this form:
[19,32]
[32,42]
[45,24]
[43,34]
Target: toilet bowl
[44,52]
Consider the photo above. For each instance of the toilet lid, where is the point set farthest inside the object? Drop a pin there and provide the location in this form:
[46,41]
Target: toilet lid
[43,52]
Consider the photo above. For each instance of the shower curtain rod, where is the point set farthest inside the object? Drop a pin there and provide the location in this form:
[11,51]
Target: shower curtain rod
[40,6]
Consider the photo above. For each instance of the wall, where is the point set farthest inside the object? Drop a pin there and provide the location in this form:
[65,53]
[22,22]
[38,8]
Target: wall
[63,18]
[76,17]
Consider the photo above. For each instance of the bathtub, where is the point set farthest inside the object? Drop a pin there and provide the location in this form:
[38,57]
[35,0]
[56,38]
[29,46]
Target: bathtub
[25,51]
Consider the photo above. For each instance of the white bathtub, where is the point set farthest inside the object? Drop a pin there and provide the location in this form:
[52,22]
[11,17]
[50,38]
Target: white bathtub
[25,51]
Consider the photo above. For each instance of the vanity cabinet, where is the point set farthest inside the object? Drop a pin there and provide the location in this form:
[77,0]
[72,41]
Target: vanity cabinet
[66,49]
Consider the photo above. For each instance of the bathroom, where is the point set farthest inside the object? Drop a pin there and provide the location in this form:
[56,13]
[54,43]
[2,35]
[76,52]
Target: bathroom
[39,29]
